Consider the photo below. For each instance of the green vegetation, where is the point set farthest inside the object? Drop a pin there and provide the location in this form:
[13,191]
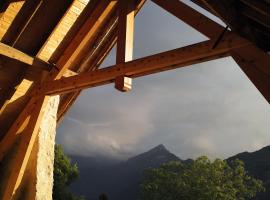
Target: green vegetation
[64,174]
[200,180]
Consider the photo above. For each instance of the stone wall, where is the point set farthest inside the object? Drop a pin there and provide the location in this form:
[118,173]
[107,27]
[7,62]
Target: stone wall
[45,153]
[37,182]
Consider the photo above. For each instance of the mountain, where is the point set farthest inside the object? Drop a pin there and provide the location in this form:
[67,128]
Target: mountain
[120,180]
[258,165]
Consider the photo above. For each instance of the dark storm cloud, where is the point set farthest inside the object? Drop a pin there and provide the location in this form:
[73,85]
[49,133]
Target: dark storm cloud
[209,108]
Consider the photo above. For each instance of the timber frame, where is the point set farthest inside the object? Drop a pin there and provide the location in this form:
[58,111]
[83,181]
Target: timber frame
[66,58]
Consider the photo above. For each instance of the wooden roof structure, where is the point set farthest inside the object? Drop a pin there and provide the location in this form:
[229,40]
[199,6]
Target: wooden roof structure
[53,47]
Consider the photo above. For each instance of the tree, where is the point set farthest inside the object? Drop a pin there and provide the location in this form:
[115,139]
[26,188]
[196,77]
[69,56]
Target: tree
[64,174]
[200,180]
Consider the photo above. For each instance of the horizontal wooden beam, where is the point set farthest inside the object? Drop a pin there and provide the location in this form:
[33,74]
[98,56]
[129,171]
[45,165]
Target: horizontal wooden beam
[20,56]
[164,61]
[15,54]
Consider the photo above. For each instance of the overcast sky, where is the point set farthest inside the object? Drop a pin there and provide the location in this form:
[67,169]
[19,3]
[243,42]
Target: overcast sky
[205,109]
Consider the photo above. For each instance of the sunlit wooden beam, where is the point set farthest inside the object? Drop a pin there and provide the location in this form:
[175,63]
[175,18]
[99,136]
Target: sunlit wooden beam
[20,56]
[125,31]
[78,46]
[164,61]
[124,51]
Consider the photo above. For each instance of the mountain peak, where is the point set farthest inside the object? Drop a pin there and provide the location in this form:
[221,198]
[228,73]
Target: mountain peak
[159,147]
[158,154]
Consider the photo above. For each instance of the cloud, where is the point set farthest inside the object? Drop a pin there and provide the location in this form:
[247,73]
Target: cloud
[113,132]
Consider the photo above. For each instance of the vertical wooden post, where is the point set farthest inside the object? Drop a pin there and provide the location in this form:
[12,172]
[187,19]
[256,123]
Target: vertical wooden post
[125,31]
[125,41]
[25,147]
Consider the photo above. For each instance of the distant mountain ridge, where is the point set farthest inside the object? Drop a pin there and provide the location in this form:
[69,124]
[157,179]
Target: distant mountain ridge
[121,180]
[258,165]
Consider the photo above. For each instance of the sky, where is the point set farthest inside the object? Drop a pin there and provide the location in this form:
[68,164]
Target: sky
[205,109]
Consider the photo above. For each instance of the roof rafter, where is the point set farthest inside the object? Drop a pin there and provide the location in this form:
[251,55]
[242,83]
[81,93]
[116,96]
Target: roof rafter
[192,17]
[78,44]
[20,56]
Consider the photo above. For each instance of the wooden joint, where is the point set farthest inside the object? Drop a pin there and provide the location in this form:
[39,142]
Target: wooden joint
[123,83]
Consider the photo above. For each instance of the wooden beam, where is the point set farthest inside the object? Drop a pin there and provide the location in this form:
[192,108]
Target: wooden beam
[69,73]
[71,53]
[159,62]
[256,16]
[125,37]
[256,65]
[20,56]
[198,21]
[259,6]
[231,14]
[202,5]
[24,149]
[80,42]
[94,59]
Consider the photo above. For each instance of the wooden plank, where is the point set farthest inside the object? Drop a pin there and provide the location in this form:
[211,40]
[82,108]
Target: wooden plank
[256,65]
[20,56]
[192,17]
[61,30]
[25,148]
[5,20]
[82,39]
[167,60]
